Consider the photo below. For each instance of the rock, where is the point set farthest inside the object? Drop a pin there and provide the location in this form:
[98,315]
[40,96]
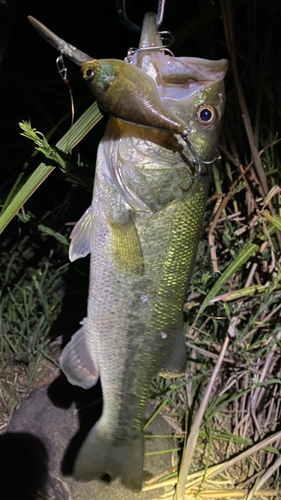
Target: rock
[38,451]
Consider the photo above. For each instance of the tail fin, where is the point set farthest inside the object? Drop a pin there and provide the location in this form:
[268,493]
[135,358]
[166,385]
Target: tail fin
[101,456]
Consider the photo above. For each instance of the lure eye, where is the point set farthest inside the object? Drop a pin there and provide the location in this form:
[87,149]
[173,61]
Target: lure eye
[206,115]
[88,73]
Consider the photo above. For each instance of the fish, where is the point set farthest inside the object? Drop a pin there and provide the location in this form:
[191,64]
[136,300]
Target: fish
[142,230]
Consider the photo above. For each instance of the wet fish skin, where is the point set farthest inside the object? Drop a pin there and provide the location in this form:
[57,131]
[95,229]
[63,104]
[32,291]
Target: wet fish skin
[142,230]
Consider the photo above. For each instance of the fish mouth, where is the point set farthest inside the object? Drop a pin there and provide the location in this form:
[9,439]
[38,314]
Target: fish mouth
[176,77]
[75,55]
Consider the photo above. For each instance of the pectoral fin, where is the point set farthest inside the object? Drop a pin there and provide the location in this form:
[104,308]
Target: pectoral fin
[77,363]
[175,363]
[80,245]
[125,244]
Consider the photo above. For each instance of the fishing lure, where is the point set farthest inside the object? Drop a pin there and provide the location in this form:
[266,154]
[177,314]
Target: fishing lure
[128,93]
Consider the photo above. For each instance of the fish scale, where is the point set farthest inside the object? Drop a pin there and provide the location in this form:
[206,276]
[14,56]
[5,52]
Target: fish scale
[181,252]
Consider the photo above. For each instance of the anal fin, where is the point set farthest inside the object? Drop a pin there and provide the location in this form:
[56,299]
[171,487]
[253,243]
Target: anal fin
[76,362]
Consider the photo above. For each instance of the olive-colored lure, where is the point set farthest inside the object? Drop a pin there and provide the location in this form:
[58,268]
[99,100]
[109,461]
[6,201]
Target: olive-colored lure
[123,90]
[129,94]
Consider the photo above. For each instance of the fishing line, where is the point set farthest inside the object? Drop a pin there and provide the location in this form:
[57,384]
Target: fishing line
[62,70]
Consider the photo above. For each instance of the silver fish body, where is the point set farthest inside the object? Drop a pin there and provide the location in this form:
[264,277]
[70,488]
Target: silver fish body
[142,231]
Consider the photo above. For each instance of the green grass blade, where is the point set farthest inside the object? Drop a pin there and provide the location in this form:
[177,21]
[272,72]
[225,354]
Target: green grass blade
[276,221]
[155,413]
[68,141]
[240,294]
[80,128]
[40,174]
[50,232]
[243,257]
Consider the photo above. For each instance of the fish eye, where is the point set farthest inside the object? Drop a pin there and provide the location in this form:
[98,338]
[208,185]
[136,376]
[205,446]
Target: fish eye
[88,73]
[206,115]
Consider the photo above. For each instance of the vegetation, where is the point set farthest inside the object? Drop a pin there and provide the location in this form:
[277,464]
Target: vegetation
[228,404]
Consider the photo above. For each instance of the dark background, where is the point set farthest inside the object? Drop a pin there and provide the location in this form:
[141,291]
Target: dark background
[30,87]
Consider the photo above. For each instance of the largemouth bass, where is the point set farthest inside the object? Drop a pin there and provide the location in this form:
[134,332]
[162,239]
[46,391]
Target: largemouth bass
[142,231]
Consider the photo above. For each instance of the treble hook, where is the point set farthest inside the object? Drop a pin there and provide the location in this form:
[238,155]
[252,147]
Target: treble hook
[122,15]
[167,39]
[198,161]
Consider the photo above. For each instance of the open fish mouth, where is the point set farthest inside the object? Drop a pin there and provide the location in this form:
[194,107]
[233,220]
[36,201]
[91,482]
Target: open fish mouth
[190,73]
